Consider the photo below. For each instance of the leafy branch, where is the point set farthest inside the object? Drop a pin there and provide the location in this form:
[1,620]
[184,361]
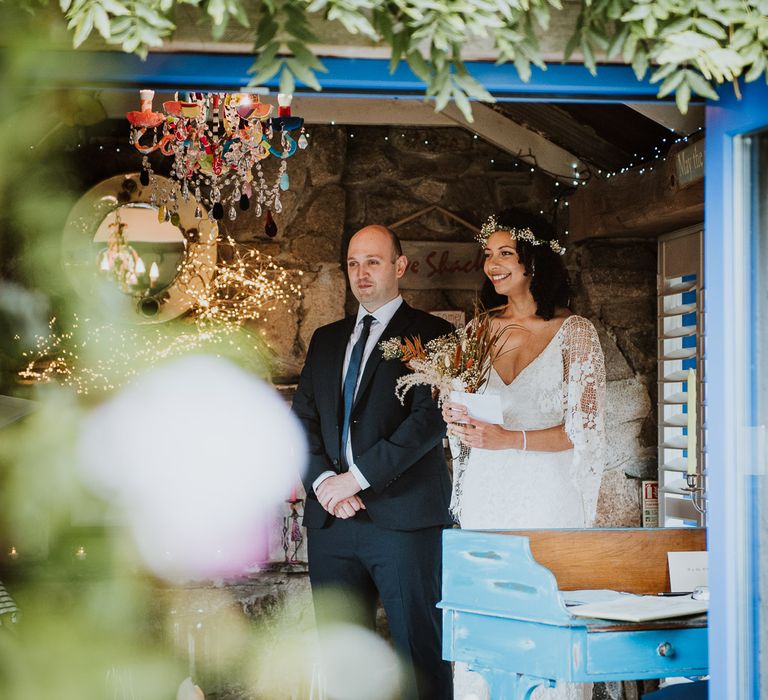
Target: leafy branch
[690,46]
[139,25]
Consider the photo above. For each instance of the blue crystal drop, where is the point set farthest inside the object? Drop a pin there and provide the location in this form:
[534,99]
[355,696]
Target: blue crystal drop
[285,183]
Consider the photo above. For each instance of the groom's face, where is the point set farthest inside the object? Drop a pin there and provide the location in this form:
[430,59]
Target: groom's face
[373,267]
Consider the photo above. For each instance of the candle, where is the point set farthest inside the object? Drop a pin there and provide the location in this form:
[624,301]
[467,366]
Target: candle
[145,99]
[293,494]
[154,273]
[691,422]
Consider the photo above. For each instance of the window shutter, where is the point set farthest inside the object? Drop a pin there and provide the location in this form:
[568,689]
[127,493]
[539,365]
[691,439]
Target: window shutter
[680,349]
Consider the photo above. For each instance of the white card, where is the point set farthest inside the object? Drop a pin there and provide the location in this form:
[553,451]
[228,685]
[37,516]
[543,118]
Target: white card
[687,570]
[484,407]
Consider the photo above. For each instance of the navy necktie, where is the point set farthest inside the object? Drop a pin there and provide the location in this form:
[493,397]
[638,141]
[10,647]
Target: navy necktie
[350,384]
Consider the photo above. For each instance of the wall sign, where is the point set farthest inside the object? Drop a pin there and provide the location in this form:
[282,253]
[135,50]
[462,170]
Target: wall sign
[689,164]
[442,265]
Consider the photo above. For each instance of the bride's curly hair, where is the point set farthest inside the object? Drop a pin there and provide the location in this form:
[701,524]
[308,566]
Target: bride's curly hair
[550,285]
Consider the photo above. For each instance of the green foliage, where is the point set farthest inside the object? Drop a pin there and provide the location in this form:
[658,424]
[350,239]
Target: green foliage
[284,27]
[689,45]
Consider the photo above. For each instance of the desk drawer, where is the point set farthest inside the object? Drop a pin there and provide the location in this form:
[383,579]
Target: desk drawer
[648,653]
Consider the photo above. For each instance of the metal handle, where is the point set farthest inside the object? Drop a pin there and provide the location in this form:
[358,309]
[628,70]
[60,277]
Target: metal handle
[665,649]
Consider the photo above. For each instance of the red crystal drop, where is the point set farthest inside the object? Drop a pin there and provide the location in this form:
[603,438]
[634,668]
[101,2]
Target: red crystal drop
[270,227]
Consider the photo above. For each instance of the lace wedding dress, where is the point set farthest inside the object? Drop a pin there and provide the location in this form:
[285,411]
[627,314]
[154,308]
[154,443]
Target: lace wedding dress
[508,489]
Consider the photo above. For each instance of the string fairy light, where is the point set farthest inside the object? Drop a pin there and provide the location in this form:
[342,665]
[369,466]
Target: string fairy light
[245,287]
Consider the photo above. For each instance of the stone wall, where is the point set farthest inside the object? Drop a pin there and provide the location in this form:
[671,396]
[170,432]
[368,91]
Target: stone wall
[615,287]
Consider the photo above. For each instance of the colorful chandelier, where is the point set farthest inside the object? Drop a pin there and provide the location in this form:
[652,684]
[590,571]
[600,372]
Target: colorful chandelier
[218,142]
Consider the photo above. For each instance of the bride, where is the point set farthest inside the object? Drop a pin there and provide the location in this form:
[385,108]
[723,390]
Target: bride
[542,467]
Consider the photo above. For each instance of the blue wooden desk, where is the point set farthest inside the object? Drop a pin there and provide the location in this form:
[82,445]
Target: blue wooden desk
[504,616]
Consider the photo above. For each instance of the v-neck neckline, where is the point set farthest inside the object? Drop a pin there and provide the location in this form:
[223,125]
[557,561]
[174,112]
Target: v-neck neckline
[535,359]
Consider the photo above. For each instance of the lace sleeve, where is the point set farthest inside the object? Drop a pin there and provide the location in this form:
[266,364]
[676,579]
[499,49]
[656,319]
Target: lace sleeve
[584,405]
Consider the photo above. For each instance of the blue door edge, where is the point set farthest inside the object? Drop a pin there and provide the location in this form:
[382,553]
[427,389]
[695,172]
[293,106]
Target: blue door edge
[733,642]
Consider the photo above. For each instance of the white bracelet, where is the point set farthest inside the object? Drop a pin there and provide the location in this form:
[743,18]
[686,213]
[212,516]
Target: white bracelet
[525,441]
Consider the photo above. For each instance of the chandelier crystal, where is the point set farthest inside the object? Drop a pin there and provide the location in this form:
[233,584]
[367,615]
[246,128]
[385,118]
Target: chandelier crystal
[217,142]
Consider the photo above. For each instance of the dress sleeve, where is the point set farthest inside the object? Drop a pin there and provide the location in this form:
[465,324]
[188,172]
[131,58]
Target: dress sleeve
[584,404]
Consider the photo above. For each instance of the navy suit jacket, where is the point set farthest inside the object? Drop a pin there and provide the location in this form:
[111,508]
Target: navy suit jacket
[398,448]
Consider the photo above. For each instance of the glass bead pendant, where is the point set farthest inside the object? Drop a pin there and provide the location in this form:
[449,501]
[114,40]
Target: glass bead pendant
[144,177]
[270,227]
[244,202]
[218,211]
[278,205]
[302,142]
[285,183]
[198,212]
[258,210]
[232,213]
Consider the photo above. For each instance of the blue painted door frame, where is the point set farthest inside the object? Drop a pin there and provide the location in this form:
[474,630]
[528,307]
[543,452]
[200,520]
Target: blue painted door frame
[730,653]
[345,76]
[733,647]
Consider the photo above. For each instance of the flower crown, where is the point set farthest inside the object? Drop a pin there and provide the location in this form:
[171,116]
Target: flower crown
[516,234]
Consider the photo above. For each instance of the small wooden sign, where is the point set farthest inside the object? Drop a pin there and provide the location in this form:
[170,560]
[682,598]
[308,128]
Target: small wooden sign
[689,164]
[442,265]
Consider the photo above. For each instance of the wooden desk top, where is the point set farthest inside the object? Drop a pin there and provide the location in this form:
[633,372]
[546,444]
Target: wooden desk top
[632,560]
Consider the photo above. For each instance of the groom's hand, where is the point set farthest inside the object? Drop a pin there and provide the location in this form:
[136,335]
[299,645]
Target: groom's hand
[349,507]
[336,489]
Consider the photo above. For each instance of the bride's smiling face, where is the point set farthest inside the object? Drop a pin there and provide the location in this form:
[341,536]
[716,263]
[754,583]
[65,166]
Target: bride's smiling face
[502,265]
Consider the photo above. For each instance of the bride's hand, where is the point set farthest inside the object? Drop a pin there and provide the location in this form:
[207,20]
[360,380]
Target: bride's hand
[487,436]
[454,412]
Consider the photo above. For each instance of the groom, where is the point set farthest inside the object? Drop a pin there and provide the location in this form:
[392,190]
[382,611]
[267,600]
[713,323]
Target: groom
[377,483]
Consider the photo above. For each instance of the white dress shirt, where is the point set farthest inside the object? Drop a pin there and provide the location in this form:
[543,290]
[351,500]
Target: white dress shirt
[381,318]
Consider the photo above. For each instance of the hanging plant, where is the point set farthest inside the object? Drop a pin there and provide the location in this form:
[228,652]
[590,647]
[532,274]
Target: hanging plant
[689,45]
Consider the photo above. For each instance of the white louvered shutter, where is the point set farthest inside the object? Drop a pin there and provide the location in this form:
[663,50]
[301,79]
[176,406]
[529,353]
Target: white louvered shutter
[680,348]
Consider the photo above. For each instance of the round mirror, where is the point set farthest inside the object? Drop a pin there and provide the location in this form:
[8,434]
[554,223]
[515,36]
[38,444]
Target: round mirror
[126,258]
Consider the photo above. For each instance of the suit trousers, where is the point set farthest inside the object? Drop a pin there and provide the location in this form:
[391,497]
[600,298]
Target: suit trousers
[353,562]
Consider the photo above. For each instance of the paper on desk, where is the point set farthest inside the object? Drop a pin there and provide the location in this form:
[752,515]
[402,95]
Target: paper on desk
[631,608]
[484,407]
[596,595]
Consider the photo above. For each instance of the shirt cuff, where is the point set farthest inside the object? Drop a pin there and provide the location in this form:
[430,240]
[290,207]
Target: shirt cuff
[361,480]
[320,479]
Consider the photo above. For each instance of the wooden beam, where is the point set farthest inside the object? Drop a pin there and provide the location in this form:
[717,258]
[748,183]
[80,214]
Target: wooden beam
[669,116]
[367,112]
[557,124]
[641,202]
[518,141]
[316,109]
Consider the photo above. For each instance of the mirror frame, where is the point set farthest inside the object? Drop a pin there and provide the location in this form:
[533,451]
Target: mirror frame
[85,217]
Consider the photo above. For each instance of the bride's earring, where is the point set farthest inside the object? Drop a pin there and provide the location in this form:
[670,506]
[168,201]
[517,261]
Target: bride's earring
[533,268]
